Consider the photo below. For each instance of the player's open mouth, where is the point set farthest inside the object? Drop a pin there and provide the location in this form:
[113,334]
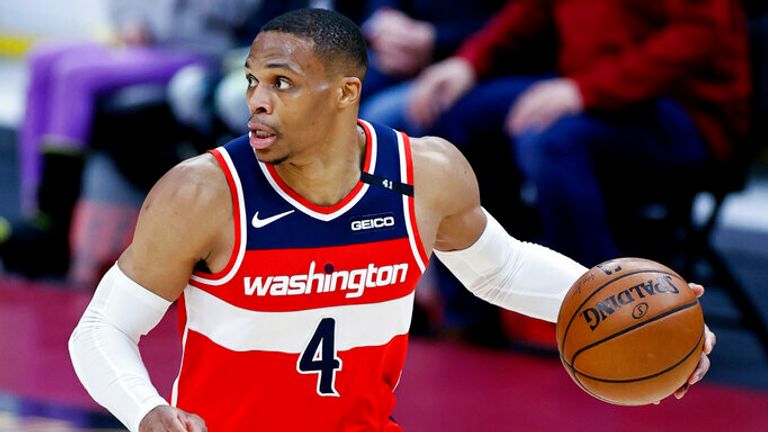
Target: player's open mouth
[261,139]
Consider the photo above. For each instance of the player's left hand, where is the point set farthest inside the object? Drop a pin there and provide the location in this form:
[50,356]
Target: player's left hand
[709,344]
[542,104]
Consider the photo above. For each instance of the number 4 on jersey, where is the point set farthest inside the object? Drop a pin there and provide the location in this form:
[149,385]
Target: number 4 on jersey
[320,357]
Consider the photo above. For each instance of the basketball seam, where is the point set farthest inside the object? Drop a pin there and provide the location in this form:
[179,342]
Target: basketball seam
[633,327]
[656,318]
[648,376]
[573,316]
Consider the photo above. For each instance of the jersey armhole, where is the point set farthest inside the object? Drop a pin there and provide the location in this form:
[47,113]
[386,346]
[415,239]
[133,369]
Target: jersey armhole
[237,248]
[409,201]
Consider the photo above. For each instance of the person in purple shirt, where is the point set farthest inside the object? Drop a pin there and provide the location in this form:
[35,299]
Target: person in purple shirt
[66,79]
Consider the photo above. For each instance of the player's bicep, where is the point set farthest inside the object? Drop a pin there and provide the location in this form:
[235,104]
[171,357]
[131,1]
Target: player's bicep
[453,190]
[157,259]
[174,232]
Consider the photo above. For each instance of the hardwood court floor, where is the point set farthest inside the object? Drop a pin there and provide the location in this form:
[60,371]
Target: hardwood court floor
[445,386]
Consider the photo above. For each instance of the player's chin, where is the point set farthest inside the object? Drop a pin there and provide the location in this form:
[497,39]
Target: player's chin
[271,160]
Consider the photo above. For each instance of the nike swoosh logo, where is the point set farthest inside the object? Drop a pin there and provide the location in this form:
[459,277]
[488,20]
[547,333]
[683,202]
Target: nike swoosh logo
[261,223]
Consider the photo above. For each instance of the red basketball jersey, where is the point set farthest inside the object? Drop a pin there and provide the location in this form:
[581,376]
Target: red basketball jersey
[306,328]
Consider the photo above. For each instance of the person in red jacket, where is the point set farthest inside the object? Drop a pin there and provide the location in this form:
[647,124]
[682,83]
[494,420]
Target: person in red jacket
[644,84]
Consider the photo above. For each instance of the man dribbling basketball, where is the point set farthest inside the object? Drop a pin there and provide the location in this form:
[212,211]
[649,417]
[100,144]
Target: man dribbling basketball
[294,253]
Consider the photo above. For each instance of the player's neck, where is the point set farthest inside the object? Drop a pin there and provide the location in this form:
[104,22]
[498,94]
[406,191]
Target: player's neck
[331,172]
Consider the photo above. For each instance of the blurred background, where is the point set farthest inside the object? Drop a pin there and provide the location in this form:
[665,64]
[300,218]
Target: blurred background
[98,98]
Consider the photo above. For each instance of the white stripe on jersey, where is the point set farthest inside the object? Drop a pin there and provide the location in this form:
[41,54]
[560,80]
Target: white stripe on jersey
[407,202]
[374,144]
[175,388]
[238,329]
[242,227]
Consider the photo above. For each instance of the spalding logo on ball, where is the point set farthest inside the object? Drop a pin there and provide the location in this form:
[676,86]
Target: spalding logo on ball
[630,331]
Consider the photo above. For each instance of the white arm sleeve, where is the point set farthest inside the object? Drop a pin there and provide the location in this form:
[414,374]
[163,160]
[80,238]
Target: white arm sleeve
[519,276]
[104,347]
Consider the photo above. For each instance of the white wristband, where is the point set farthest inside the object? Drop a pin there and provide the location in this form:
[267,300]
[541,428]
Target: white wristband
[519,276]
[104,347]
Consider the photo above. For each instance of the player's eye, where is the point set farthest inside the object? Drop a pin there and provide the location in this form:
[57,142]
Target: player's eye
[282,84]
[252,82]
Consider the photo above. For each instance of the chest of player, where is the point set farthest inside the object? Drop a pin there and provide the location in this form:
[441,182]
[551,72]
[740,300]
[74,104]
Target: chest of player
[297,262]
[291,254]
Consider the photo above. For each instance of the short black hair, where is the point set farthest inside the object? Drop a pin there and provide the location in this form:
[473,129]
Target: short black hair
[333,35]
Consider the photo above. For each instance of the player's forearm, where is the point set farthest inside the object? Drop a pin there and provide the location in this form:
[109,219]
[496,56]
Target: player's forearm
[104,347]
[519,276]
[113,380]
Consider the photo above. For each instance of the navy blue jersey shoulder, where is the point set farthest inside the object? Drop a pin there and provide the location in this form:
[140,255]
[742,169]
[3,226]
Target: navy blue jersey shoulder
[378,216]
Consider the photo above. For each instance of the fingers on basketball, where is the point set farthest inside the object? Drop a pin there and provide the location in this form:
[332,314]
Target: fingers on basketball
[631,332]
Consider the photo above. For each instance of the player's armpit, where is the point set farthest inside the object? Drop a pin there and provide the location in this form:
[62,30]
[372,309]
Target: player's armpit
[186,218]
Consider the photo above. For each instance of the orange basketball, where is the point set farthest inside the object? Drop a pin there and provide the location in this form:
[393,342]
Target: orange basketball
[630,331]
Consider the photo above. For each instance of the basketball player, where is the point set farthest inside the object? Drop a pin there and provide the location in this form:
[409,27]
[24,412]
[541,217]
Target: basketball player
[293,253]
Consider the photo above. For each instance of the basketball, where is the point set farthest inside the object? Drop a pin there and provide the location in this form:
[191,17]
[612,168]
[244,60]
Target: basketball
[630,331]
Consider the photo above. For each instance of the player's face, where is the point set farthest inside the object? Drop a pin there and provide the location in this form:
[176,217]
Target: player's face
[290,97]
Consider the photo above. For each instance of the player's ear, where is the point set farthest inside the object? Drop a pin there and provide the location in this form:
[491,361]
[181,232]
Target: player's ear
[350,90]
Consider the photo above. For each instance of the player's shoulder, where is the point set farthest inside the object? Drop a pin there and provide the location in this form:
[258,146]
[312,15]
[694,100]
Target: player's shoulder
[196,185]
[431,146]
[441,171]
[438,159]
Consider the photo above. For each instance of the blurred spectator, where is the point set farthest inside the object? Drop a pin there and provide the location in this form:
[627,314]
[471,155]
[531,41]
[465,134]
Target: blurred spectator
[153,40]
[755,8]
[757,13]
[212,100]
[404,38]
[638,85]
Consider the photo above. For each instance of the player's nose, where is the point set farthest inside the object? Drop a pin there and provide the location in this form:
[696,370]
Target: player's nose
[260,101]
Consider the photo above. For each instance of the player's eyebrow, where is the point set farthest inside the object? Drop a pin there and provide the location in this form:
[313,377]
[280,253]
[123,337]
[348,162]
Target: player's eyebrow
[288,66]
[274,65]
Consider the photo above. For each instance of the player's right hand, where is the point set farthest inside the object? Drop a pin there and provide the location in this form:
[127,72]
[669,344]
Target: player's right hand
[171,419]
[438,88]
